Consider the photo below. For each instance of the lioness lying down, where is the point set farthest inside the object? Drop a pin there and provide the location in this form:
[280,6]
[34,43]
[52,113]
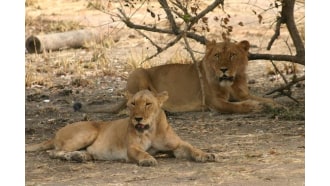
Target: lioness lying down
[224,78]
[223,73]
[134,139]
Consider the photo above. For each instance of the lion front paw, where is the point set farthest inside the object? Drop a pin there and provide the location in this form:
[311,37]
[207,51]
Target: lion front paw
[204,157]
[251,106]
[148,162]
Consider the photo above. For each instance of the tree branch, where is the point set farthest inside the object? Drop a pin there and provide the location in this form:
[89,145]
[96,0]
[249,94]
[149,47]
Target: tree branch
[286,86]
[204,12]
[277,57]
[170,17]
[171,43]
[196,63]
[276,34]
[126,20]
[287,17]
[159,49]
[278,71]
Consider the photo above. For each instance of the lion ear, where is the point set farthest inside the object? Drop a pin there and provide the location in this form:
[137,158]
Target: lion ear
[245,45]
[162,97]
[210,45]
[129,97]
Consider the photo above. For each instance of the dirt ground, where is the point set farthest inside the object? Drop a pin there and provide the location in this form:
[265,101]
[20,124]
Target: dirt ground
[266,148]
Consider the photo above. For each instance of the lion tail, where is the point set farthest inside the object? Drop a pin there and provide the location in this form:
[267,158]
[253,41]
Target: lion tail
[46,145]
[114,109]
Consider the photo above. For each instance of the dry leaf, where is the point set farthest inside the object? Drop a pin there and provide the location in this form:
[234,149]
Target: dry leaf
[260,18]
[225,20]
[204,19]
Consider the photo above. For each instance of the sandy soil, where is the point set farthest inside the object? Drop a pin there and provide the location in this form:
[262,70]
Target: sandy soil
[267,148]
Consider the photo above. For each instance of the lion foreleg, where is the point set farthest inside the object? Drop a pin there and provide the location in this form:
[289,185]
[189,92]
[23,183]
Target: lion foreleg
[187,151]
[141,157]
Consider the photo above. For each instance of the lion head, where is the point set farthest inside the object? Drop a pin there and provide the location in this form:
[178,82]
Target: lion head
[225,61]
[144,108]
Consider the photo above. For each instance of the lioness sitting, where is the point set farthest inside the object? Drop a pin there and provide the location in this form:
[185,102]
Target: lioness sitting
[224,77]
[135,139]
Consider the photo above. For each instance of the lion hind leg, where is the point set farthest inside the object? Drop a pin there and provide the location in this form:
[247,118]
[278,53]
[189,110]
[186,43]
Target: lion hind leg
[77,156]
[80,138]
[187,151]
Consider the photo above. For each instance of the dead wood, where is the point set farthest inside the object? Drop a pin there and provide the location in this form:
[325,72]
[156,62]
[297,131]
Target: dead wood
[64,40]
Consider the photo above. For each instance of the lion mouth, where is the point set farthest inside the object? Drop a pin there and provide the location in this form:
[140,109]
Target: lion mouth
[140,127]
[226,78]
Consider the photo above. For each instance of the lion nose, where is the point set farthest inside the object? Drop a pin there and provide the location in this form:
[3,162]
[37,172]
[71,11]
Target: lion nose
[138,119]
[223,69]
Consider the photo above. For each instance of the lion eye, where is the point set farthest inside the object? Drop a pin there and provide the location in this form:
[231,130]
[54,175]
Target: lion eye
[217,55]
[147,104]
[133,103]
[232,55]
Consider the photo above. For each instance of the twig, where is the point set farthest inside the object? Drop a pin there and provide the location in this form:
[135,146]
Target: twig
[204,12]
[125,19]
[277,70]
[179,5]
[196,66]
[170,17]
[286,86]
[287,44]
[276,34]
[286,89]
[164,48]
[159,49]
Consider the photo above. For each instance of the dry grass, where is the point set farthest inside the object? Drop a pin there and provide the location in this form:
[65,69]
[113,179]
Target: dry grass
[43,25]
[135,60]
[254,149]
[31,3]
[93,62]
[98,4]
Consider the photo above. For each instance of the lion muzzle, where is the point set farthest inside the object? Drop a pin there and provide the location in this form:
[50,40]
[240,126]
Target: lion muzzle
[226,81]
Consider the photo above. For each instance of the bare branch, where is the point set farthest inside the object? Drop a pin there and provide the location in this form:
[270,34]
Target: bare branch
[286,17]
[179,5]
[170,17]
[196,66]
[126,20]
[204,12]
[278,71]
[277,57]
[159,49]
[130,24]
[276,34]
[286,86]
[171,43]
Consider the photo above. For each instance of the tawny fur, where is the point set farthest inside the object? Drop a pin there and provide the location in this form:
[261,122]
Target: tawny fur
[135,139]
[224,77]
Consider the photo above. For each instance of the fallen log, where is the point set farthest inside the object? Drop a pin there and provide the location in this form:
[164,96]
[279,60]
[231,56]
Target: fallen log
[63,40]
